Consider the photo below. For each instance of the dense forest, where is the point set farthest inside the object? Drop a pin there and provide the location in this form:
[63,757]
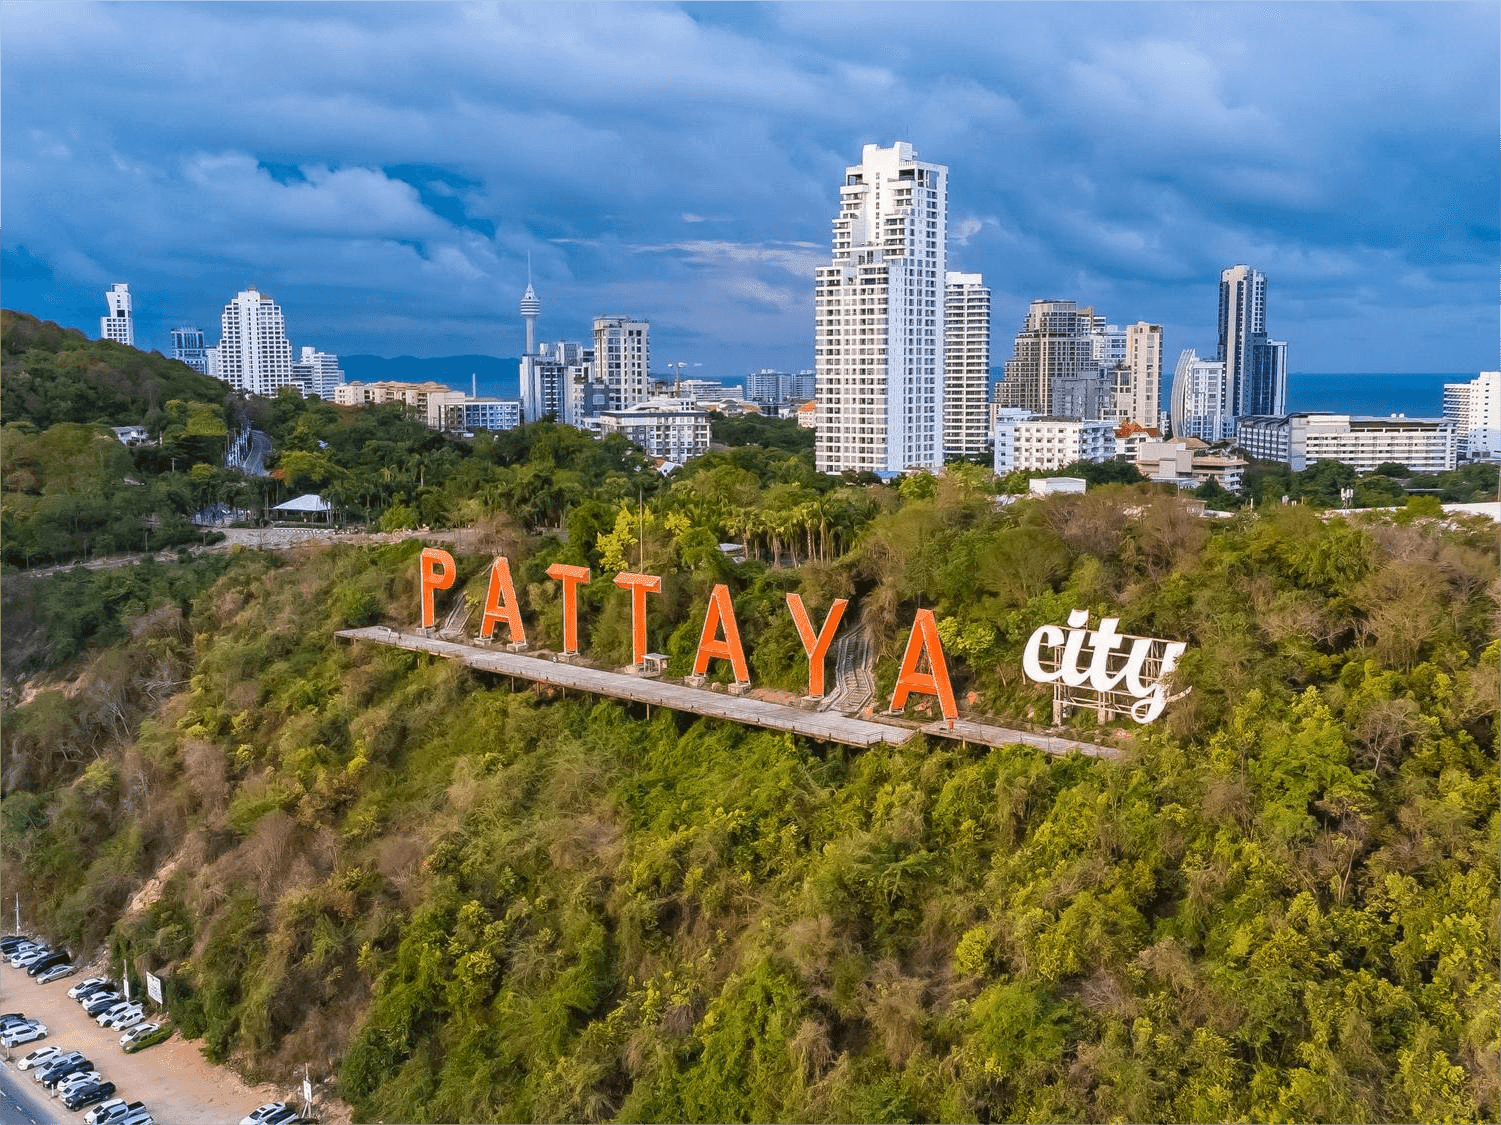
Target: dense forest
[460,899]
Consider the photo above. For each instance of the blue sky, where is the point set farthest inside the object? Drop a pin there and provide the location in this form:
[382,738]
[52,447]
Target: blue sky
[384,171]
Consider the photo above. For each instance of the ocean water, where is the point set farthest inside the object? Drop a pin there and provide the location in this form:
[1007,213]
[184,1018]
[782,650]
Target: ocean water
[1417,396]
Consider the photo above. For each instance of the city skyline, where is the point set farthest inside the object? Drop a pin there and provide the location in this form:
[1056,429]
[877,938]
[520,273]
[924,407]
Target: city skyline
[386,172]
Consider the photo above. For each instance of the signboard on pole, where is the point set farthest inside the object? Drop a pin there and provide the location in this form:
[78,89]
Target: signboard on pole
[154,987]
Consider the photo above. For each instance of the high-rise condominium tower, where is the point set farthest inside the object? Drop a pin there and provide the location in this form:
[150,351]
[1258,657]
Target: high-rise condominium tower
[318,373]
[1201,390]
[879,317]
[254,353]
[622,359]
[1255,366]
[187,347]
[1055,350]
[119,325]
[966,364]
[1142,402]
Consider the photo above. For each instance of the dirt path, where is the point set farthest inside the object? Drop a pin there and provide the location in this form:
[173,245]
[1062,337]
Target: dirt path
[178,1085]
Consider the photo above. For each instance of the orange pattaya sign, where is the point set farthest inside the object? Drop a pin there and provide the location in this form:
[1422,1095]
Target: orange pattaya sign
[639,585]
[572,578]
[924,637]
[816,645]
[721,615]
[500,603]
[438,573]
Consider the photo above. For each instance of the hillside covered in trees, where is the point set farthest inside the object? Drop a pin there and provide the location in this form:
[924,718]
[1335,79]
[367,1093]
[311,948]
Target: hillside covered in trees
[461,900]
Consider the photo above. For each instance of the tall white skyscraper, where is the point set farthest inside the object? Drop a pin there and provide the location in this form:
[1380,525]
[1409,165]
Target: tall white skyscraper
[1201,390]
[966,364]
[187,347]
[1255,366]
[1475,410]
[119,325]
[254,353]
[879,317]
[622,359]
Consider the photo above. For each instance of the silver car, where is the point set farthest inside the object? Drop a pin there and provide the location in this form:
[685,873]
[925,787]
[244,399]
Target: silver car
[137,1033]
[112,1112]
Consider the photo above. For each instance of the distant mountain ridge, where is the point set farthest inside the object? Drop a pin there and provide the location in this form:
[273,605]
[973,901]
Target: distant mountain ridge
[497,376]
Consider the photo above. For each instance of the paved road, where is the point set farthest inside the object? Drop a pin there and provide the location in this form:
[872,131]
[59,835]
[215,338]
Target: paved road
[20,1103]
[255,458]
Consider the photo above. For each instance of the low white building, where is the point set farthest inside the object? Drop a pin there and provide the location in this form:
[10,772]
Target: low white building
[1423,445]
[663,427]
[1024,440]
[1053,486]
[1475,410]
[460,413]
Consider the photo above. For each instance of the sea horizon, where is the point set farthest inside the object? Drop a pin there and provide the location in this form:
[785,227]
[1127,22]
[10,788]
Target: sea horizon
[1415,394]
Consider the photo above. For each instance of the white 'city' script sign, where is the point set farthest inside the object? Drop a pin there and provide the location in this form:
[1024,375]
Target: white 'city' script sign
[1053,656]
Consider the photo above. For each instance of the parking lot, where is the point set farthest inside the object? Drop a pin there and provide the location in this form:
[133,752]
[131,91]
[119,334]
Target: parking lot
[177,1084]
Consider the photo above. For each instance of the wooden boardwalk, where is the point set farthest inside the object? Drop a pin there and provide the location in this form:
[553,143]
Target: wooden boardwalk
[828,726]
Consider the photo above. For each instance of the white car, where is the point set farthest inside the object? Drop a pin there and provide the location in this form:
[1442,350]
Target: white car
[38,1057]
[85,985]
[129,1017]
[272,1113]
[76,1079]
[112,1011]
[28,956]
[137,1033]
[57,972]
[23,950]
[26,1033]
[110,1112]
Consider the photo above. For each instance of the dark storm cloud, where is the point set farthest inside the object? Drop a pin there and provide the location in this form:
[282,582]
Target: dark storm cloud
[387,170]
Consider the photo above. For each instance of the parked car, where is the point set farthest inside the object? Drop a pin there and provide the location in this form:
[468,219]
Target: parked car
[76,1079]
[25,1033]
[111,1112]
[101,1002]
[20,950]
[139,1116]
[128,1016]
[60,1067]
[57,1060]
[54,1074]
[51,961]
[30,956]
[38,1057]
[88,1095]
[103,1018]
[13,1019]
[12,942]
[94,991]
[89,984]
[137,1033]
[57,972]
[272,1113]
